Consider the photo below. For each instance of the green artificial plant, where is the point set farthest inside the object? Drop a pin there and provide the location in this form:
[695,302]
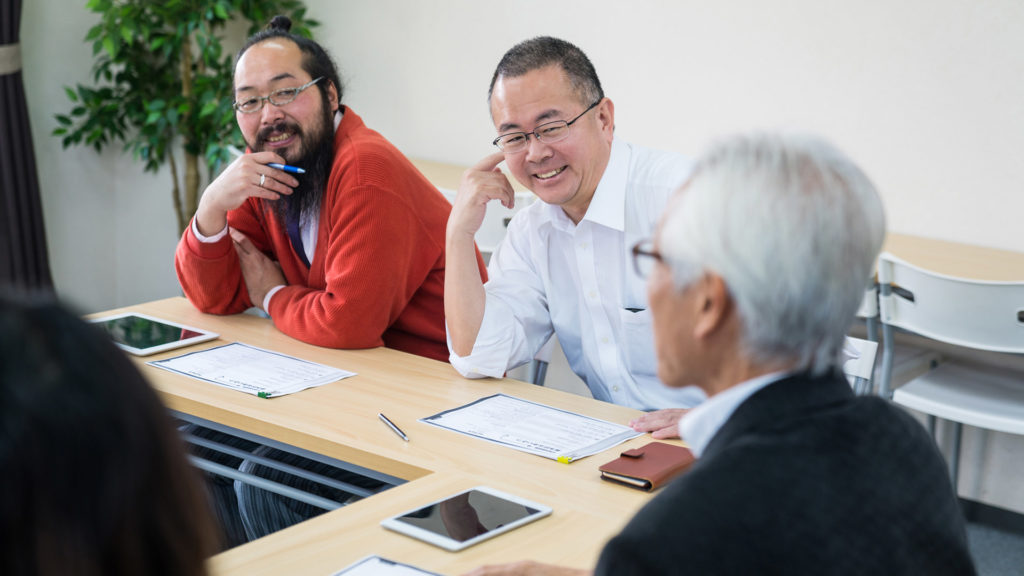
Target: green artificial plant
[162,80]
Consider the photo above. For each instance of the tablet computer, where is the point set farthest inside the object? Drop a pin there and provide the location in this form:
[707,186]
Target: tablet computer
[467,518]
[143,335]
[377,566]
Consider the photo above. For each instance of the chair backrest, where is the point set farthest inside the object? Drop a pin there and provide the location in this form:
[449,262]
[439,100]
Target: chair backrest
[976,314]
[869,304]
[859,363]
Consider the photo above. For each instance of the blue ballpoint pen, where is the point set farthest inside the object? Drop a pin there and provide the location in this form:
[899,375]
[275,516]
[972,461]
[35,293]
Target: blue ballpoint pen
[290,169]
[287,168]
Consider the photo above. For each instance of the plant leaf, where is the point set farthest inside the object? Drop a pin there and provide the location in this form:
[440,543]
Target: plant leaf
[108,45]
[208,108]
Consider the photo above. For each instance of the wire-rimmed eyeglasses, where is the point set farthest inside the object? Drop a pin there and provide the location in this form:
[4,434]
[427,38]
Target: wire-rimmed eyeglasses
[644,257]
[277,98]
[548,133]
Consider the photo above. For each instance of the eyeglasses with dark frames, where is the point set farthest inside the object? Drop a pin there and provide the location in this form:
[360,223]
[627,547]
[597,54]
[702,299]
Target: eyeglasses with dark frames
[548,133]
[644,257]
[277,98]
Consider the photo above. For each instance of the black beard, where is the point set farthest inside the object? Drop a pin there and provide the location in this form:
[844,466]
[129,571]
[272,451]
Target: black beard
[316,157]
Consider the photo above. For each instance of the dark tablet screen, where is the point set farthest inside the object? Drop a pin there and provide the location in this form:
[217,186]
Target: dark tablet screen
[141,334]
[467,515]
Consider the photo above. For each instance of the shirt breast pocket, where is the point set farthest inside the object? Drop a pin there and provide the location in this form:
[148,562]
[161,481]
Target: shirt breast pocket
[638,342]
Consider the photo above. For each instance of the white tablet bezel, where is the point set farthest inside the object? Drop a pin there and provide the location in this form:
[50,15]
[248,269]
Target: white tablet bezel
[203,335]
[452,545]
[392,567]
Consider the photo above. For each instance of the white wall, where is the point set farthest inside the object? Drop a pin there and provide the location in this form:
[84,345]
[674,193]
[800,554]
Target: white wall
[78,200]
[110,227]
[927,95]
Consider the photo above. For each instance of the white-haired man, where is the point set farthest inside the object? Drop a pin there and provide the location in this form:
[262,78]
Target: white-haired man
[754,277]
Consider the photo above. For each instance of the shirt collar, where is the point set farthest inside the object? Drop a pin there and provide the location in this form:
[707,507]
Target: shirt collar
[698,426]
[608,206]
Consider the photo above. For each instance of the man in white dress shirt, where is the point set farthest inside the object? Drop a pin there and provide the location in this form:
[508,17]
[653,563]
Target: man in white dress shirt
[563,267]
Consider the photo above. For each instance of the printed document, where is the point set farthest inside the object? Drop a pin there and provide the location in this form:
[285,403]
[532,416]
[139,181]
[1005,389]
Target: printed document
[534,428]
[254,370]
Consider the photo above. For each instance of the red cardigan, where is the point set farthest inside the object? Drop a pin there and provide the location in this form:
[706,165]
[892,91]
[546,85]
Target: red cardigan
[377,277]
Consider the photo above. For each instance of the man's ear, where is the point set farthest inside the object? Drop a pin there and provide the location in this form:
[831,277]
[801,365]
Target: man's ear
[606,116]
[712,305]
[332,96]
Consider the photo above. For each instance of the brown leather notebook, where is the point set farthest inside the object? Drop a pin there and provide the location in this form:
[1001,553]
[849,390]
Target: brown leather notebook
[648,467]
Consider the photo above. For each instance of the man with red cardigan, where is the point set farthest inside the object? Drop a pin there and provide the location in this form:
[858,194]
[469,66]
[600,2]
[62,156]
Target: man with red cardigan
[348,254]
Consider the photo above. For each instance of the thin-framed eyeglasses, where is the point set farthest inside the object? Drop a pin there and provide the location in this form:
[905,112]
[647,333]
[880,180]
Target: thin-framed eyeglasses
[548,133]
[277,98]
[644,257]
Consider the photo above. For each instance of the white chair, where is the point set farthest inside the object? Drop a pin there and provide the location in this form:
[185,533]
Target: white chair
[869,311]
[968,313]
[859,363]
[908,361]
[905,362]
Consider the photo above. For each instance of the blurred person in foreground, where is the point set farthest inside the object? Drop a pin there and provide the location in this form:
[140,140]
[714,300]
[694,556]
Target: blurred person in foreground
[95,477]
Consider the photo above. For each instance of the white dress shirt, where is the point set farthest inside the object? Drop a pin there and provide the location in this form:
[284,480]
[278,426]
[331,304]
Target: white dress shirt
[698,426]
[550,275]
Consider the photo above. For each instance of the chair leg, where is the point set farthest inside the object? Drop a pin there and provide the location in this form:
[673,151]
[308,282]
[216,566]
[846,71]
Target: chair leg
[931,426]
[538,372]
[862,387]
[954,455]
[885,386]
[872,328]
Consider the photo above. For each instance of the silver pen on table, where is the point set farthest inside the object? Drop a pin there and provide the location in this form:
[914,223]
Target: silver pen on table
[391,425]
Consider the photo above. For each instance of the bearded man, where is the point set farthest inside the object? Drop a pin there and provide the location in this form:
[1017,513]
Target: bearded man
[349,253]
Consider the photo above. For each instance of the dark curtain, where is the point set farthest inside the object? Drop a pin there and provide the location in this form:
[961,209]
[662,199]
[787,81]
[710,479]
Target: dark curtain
[23,257]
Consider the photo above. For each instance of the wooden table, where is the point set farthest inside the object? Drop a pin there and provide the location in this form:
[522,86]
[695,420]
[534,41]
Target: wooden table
[340,420]
[956,259]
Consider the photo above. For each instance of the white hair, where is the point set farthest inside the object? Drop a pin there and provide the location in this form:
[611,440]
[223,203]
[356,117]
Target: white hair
[793,227]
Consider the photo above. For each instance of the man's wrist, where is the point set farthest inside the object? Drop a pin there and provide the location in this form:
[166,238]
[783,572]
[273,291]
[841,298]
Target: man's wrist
[269,295]
[208,239]
[455,237]
[209,219]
